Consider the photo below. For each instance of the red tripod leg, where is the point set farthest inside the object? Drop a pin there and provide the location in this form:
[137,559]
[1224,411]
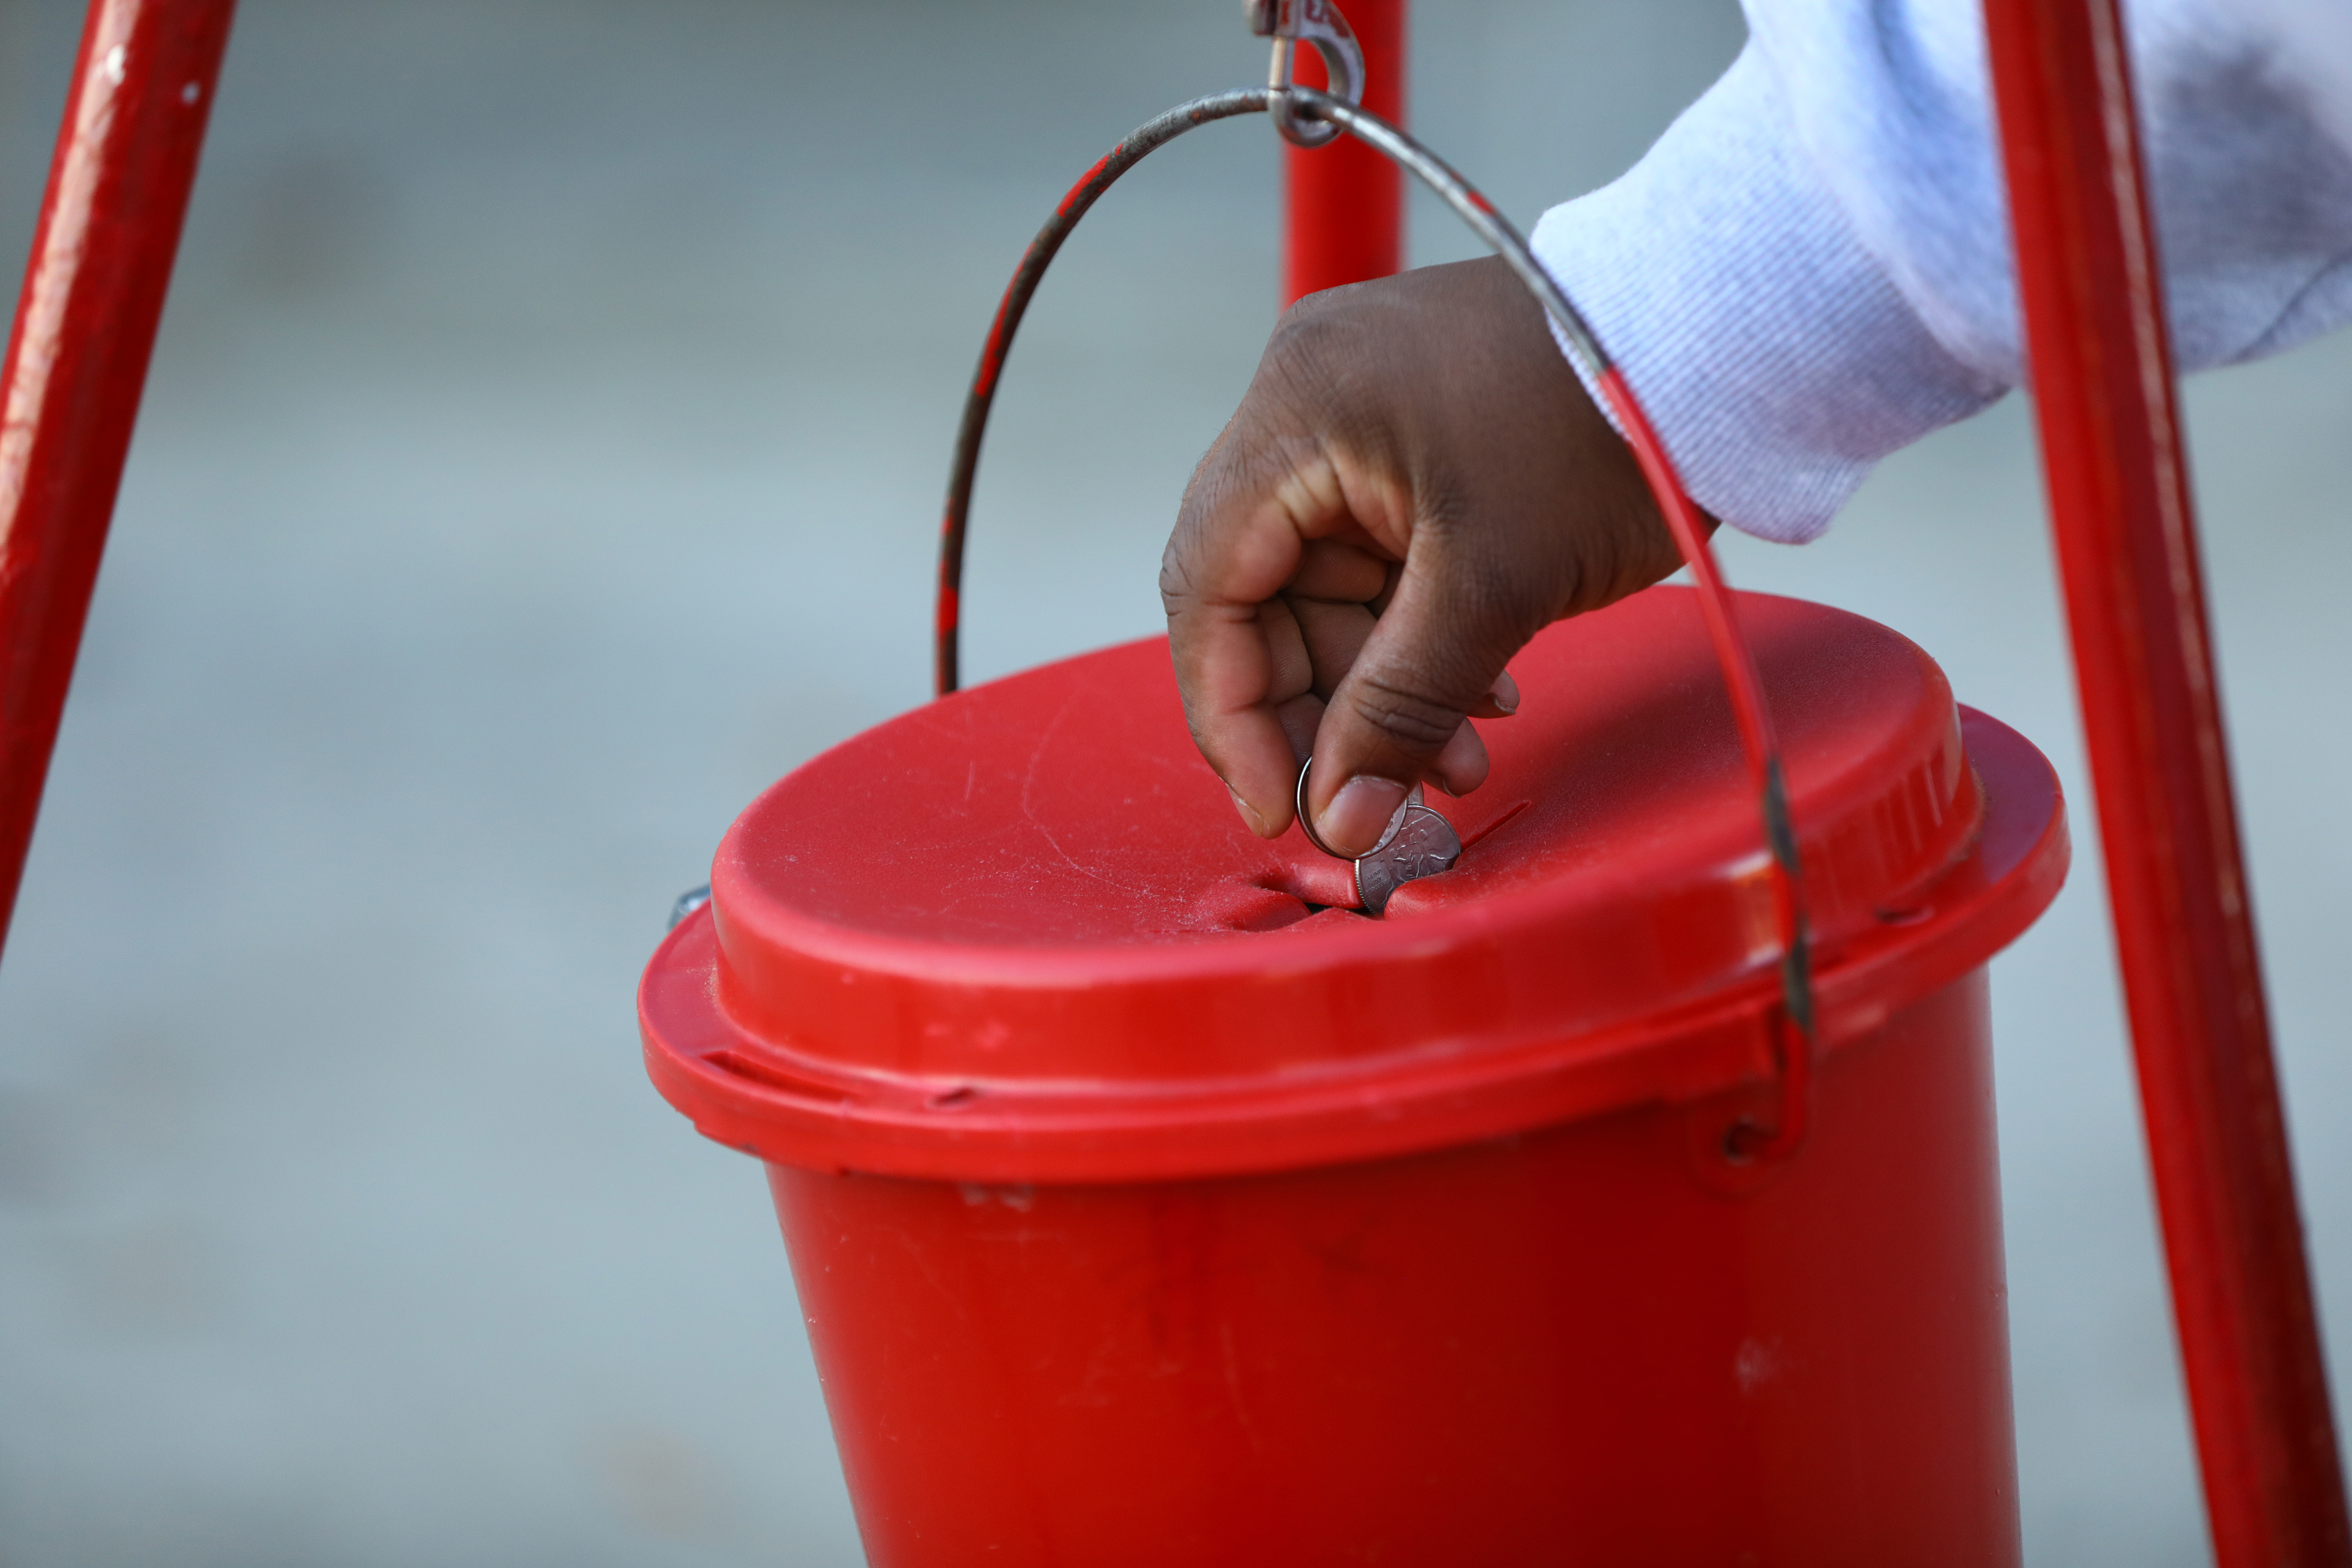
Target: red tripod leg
[2126,537]
[85,325]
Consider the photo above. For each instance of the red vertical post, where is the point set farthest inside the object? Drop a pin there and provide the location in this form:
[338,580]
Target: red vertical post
[1345,203]
[78,352]
[2126,542]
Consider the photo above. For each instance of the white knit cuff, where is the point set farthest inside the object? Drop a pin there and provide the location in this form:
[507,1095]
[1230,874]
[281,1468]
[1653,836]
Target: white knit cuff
[1771,352]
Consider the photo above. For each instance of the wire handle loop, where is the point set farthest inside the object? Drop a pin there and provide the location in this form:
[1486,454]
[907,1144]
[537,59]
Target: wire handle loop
[1794,1022]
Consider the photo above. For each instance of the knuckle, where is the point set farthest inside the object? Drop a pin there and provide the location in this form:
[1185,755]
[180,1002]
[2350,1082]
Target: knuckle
[1319,353]
[1306,331]
[1175,578]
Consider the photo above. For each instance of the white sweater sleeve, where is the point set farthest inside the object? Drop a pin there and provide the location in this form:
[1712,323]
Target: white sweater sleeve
[1811,268]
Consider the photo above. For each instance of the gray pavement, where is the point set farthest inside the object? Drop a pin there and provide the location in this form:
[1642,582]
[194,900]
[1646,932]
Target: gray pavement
[543,455]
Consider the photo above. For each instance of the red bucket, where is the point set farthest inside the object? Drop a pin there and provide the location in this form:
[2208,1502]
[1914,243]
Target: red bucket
[1149,1207]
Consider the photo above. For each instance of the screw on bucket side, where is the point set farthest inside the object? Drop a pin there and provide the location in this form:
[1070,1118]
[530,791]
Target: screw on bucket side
[688,902]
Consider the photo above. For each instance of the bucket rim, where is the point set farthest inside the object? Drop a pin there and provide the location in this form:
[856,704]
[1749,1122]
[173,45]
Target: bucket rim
[789,1107]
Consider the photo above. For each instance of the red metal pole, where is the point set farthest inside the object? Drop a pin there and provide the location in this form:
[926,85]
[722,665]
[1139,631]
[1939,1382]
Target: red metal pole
[78,352]
[2127,541]
[1345,202]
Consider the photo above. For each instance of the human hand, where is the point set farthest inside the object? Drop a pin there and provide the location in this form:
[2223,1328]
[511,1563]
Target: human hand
[1413,486]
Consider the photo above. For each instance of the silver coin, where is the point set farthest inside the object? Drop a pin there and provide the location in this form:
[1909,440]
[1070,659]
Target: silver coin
[1307,823]
[1422,845]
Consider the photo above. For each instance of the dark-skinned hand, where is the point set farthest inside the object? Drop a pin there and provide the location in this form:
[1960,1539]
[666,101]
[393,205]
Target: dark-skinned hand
[1415,484]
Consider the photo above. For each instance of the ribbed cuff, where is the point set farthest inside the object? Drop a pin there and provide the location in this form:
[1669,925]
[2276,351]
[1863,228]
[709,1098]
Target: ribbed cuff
[1775,357]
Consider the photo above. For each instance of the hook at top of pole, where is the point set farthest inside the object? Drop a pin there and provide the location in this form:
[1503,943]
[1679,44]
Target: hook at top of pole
[1317,22]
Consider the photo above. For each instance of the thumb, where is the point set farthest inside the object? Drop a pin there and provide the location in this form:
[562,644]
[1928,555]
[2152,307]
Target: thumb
[1399,714]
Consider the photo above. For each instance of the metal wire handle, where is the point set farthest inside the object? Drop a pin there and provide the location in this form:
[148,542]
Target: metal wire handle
[1796,1034]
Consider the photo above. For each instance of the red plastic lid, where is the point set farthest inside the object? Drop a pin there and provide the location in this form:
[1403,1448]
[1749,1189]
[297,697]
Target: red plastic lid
[1018,933]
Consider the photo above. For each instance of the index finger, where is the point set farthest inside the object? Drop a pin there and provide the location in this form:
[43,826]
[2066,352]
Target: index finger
[1240,537]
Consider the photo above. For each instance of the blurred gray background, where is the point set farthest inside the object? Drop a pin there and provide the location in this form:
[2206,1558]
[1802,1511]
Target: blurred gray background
[542,454]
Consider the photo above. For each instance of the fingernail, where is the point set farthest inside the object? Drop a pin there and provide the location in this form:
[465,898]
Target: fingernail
[1359,814]
[1505,692]
[1256,823]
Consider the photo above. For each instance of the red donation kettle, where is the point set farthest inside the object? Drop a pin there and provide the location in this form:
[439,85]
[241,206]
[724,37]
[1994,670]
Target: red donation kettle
[1146,1206]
